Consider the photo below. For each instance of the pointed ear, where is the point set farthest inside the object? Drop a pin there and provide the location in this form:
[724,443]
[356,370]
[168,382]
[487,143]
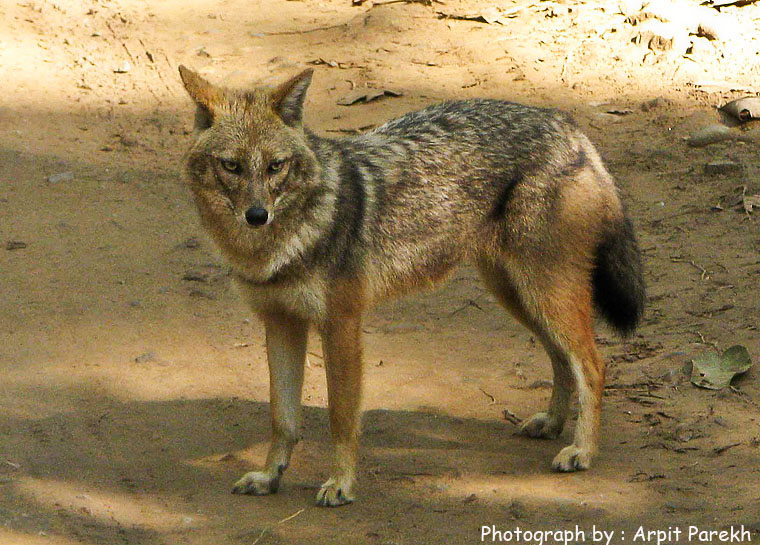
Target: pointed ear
[205,95]
[288,98]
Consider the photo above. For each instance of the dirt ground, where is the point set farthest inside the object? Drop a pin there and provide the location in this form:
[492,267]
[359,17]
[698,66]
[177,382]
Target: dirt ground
[134,383]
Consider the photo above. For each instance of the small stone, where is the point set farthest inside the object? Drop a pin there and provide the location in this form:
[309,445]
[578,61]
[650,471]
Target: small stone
[15,245]
[517,510]
[146,357]
[60,177]
[126,141]
[723,167]
[712,134]
[195,276]
[200,294]
[653,104]
[683,434]
[191,243]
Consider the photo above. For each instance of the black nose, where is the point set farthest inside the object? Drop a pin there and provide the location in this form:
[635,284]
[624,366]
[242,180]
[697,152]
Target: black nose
[256,216]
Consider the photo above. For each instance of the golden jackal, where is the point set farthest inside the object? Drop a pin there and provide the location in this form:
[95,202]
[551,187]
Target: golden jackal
[316,230]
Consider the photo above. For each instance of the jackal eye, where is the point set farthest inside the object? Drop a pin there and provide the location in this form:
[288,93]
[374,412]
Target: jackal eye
[230,166]
[275,166]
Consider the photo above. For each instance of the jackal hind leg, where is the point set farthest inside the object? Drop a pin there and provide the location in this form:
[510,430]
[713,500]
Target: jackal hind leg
[560,315]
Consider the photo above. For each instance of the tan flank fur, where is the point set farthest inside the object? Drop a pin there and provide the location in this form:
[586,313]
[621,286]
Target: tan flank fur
[317,230]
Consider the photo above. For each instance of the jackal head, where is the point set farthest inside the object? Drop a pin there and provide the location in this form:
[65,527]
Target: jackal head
[250,168]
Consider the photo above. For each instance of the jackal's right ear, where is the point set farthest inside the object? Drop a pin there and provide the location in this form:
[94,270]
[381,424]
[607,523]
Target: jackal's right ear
[205,95]
[288,98]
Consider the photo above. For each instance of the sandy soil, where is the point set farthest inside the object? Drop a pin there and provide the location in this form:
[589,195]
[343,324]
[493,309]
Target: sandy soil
[134,385]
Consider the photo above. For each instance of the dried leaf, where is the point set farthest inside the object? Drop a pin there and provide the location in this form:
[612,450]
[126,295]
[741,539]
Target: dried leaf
[751,202]
[725,3]
[489,16]
[715,371]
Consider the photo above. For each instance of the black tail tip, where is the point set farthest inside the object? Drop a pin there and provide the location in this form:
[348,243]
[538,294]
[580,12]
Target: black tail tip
[619,290]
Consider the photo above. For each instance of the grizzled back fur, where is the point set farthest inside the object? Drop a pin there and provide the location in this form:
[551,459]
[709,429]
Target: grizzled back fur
[399,207]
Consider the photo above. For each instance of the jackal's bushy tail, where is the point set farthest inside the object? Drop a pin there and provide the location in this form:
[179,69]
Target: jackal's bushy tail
[618,280]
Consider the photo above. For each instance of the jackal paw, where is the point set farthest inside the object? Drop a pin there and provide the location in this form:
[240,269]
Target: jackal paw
[335,492]
[572,458]
[257,483]
[541,426]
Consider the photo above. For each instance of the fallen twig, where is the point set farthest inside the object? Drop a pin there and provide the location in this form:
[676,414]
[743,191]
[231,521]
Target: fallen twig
[493,399]
[269,528]
[124,45]
[470,303]
[704,341]
[705,273]
[358,130]
[721,450]
[307,31]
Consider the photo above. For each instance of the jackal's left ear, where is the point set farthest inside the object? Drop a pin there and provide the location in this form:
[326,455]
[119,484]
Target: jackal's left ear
[288,98]
[205,95]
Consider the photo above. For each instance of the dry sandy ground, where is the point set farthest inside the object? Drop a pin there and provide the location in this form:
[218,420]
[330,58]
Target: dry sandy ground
[134,385]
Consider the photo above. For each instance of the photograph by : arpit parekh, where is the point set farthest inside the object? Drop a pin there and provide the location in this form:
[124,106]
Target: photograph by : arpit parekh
[673,534]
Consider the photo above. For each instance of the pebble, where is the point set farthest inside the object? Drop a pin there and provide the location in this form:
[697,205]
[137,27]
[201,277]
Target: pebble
[15,245]
[195,276]
[200,294]
[60,177]
[714,134]
[653,104]
[190,243]
[723,167]
[146,357]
